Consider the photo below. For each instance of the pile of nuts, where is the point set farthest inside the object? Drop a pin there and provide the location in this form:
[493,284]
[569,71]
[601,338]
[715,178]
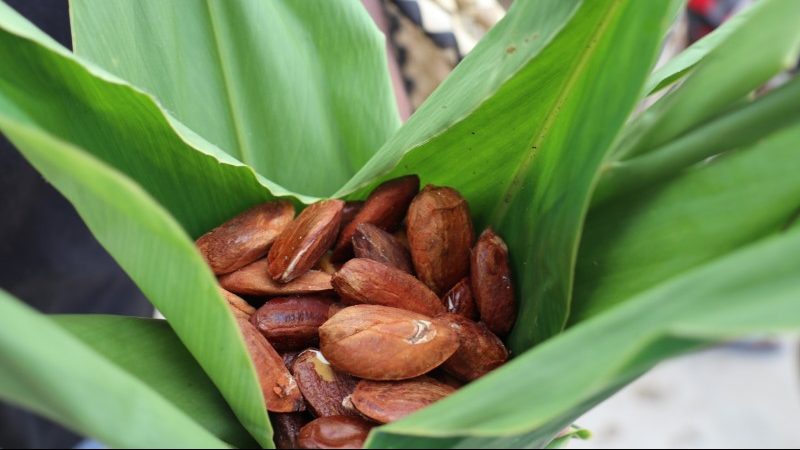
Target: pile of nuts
[371,310]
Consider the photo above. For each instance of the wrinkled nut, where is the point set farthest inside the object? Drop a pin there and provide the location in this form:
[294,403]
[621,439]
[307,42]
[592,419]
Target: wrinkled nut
[480,351]
[373,243]
[382,343]
[286,427]
[246,237]
[491,283]
[440,236]
[334,432]
[386,402]
[458,300]
[323,388]
[254,279]
[384,208]
[280,390]
[367,281]
[292,323]
[350,211]
[238,305]
[305,240]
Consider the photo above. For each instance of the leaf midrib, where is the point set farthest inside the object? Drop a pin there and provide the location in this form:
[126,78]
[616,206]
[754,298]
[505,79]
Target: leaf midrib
[241,150]
[532,149]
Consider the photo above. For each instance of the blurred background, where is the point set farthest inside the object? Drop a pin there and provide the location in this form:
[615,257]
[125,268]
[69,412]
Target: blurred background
[741,395]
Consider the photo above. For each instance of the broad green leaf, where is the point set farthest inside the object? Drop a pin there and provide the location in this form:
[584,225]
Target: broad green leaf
[714,208]
[158,255]
[41,83]
[738,128]
[680,65]
[149,350]
[521,127]
[51,372]
[771,41]
[298,90]
[751,290]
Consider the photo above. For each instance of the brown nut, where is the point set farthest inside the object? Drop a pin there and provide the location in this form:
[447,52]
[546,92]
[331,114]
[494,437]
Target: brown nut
[458,300]
[334,432]
[384,208]
[253,279]
[280,390]
[350,211]
[292,323]
[389,401]
[367,281]
[440,236]
[305,240]
[323,388]
[373,243]
[382,343]
[491,283]
[480,351]
[238,305]
[286,427]
[245,238]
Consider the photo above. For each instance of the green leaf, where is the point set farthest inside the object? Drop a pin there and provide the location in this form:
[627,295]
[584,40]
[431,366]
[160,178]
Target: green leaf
[43,85]
[158,255]
[567,374]
[521,127]
[298,90]
[149,350]
[647,237]
[771,41]
[677,67]
[49,371]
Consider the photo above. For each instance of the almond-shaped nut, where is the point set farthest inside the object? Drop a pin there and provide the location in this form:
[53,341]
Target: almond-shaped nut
[480,351]
[389,401]
[238,305]
[280,390]
[305,240]
[385,208]
[292,323]
[286,428]
[254,279]
[491,283]
[382,343]
[334,432]
[246,237]
[373,243]
[350,211]
[324,388]
[440,235]
[459,300]
[366,281]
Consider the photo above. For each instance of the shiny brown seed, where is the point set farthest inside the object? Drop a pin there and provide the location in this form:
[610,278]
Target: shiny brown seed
[382,343]
[373,243]
[440,236]
[238,305]
[287,428]
[324,388]
[254,279]
[366,281]
[334,432]
[491,283]
[458,300]
[350,211]
[305,240]
[389,401]
[280,390]
[292,323]
[246,237]
[480,351]
[384,208]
